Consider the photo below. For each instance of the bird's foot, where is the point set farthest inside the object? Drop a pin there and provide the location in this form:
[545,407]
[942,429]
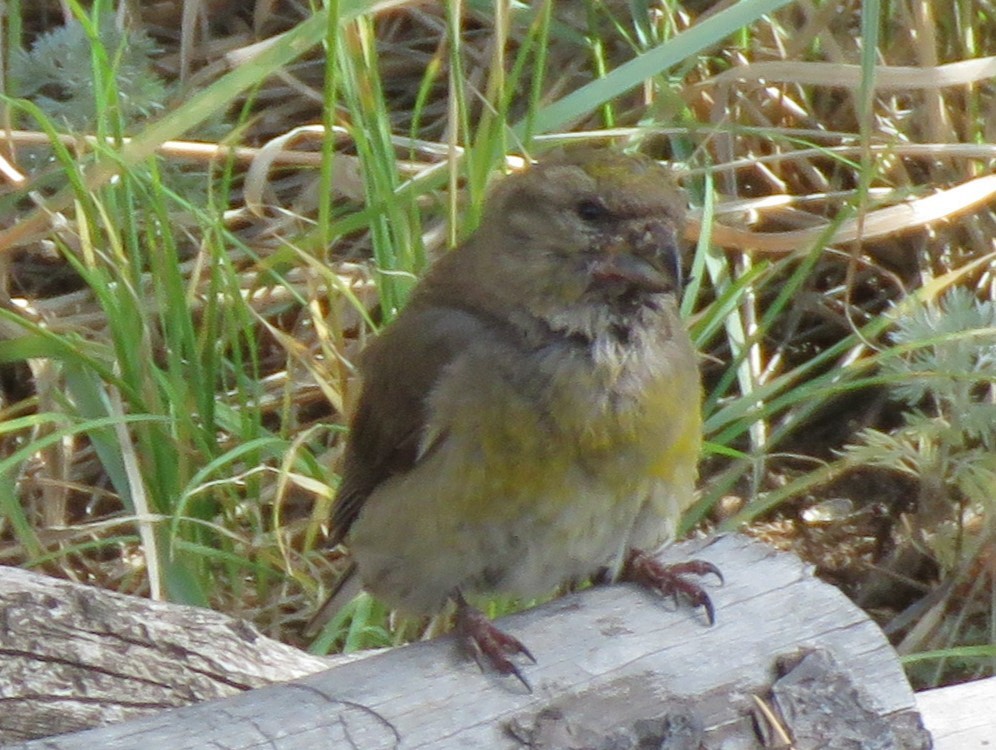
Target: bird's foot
[488,643]
[643,568]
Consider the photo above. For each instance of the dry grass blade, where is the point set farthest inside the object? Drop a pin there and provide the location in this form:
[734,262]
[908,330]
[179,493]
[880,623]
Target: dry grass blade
[883,222]
[887,77]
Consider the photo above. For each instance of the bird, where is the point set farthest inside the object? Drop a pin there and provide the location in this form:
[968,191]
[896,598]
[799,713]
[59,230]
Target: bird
[532,416]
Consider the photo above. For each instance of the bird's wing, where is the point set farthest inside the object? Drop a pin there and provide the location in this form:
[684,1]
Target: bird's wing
[399,371]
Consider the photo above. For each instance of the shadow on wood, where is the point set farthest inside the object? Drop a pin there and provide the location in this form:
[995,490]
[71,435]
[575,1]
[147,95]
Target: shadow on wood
[618,669]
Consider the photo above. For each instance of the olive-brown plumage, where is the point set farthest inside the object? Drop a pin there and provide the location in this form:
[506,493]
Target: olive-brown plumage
[532,416]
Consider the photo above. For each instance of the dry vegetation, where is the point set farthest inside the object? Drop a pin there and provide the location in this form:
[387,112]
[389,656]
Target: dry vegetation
[216,292]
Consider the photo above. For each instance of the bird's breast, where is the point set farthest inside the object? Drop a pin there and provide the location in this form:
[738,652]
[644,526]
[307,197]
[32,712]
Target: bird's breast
[632,407]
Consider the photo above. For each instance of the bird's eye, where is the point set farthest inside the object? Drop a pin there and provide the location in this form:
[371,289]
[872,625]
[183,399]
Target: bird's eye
[592,210]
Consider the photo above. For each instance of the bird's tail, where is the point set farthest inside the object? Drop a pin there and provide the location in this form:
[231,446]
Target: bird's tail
[344,591]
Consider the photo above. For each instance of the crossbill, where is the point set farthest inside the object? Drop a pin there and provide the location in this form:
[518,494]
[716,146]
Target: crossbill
[532,416]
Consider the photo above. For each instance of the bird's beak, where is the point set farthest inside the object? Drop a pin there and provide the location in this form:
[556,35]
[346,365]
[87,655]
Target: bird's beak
[626,259]
[632,271]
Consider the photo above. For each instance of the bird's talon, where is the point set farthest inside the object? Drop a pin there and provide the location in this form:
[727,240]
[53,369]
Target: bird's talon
[486,642]
[642,568]
[697,568]
[710,611]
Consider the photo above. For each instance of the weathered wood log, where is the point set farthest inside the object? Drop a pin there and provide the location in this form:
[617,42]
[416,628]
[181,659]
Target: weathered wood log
[74,656]
[617,668]
[961,717]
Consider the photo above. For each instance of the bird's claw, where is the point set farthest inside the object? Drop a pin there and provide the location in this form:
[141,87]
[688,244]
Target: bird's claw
[643,568]
[488,643]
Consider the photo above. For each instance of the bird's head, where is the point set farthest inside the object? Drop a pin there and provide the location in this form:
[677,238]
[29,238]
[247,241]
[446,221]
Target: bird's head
[584,232]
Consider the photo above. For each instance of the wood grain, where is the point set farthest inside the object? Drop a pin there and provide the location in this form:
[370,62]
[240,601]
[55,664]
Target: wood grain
[617,668]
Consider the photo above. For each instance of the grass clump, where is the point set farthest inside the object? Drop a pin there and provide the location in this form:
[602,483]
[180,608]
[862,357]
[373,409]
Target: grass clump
[57,72]
[942,375]
[181,316]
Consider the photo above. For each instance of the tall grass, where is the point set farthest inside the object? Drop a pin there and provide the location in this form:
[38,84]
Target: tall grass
[182,396]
